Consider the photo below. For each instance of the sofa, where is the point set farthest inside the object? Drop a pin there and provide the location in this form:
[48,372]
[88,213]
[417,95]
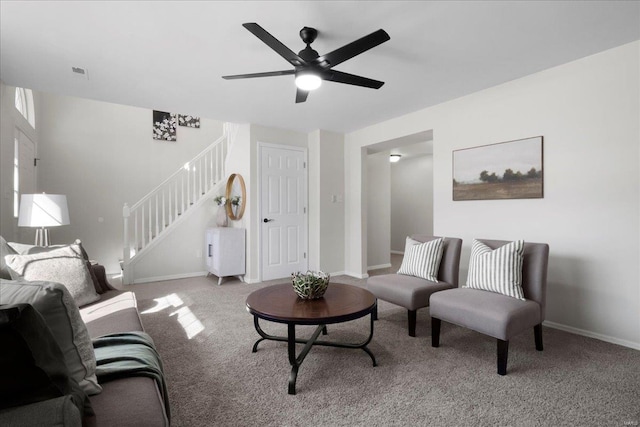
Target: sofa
[111,400]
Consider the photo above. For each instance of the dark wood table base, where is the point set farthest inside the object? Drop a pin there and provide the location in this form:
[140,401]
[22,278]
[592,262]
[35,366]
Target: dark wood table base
[340,303]
[296,361]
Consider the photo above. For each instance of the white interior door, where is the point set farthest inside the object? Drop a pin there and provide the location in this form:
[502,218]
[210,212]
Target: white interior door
[283,209]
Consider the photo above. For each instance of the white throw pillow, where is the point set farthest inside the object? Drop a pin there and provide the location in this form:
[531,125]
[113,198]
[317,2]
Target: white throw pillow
[497,270]
[422,259]
[64,265]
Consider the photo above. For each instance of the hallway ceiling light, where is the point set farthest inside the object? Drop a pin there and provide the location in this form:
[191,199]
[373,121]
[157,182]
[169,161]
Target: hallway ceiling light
[394,158]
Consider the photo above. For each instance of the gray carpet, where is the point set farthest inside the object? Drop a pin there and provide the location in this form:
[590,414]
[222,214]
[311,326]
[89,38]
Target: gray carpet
[215,380]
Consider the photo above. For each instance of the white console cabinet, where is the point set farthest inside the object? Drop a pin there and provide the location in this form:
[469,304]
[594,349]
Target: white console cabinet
[225,250]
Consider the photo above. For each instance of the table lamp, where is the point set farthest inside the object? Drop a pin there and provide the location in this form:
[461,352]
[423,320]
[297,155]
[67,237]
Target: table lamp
[43,210]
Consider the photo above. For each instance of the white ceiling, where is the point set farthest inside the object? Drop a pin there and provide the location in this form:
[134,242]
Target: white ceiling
[171,55]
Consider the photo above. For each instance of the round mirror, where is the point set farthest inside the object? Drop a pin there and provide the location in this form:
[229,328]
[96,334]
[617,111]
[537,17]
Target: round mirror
[236,195]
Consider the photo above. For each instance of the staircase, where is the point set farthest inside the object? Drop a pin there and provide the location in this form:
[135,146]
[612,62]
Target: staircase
[150,220]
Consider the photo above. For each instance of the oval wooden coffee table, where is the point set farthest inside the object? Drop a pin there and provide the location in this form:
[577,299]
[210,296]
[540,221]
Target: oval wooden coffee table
[279,303]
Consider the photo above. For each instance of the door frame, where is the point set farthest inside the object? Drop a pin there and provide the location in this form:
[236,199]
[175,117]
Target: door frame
[304,151]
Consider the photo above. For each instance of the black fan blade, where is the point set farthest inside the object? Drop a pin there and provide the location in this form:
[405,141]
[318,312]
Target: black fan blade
[267,74]
[351,79]
[352,49]
[301,95]
[274,44]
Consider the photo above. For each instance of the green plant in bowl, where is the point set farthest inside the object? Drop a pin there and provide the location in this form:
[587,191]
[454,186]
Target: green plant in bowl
[310,285]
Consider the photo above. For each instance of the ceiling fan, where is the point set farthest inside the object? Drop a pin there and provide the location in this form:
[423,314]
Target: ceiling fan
[309,67]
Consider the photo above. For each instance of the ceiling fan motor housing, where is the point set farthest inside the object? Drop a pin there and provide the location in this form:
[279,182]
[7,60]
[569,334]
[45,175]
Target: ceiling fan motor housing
[308,35]
[308,54]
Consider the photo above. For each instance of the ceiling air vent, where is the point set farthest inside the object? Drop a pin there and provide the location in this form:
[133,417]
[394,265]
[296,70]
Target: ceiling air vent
[81,72]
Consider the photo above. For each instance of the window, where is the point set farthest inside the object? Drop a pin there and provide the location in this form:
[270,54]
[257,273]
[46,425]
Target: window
[24,104]
[20,101]
[16,177]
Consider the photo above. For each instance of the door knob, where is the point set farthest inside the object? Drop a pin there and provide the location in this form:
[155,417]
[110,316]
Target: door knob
[267,220]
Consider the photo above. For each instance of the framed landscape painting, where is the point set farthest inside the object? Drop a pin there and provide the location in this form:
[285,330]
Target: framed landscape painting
[507,170]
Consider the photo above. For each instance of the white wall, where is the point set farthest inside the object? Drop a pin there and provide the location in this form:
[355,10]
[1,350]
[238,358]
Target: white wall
[331,208]
[326,201]
[182,252]
[102,155]
[241,159]
[588,112]
[315,200]
[378,210]
[411,199]
[355,224]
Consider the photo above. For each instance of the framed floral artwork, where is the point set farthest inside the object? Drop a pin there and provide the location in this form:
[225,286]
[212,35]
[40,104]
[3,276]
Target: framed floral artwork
[164,126]
[188,121]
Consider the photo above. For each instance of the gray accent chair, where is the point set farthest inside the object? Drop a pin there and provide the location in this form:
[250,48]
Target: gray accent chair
[497,315]
[413,293]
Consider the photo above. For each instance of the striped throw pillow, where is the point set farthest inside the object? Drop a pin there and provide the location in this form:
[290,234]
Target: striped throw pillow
[423,260]
[497,270]
[409,242]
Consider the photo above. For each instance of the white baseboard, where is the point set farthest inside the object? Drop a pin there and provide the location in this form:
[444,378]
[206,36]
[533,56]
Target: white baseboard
[601,337]
[252,281]
[170,277]
[378,267]
[356,275]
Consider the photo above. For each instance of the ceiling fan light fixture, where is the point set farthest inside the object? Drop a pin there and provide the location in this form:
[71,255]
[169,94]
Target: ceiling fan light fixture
[309,67]
[308,81]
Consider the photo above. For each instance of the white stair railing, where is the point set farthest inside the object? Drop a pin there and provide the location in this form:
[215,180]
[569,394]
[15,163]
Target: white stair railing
[155,213]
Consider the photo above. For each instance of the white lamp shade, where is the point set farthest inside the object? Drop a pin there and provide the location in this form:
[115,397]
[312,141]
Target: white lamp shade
[43,210]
